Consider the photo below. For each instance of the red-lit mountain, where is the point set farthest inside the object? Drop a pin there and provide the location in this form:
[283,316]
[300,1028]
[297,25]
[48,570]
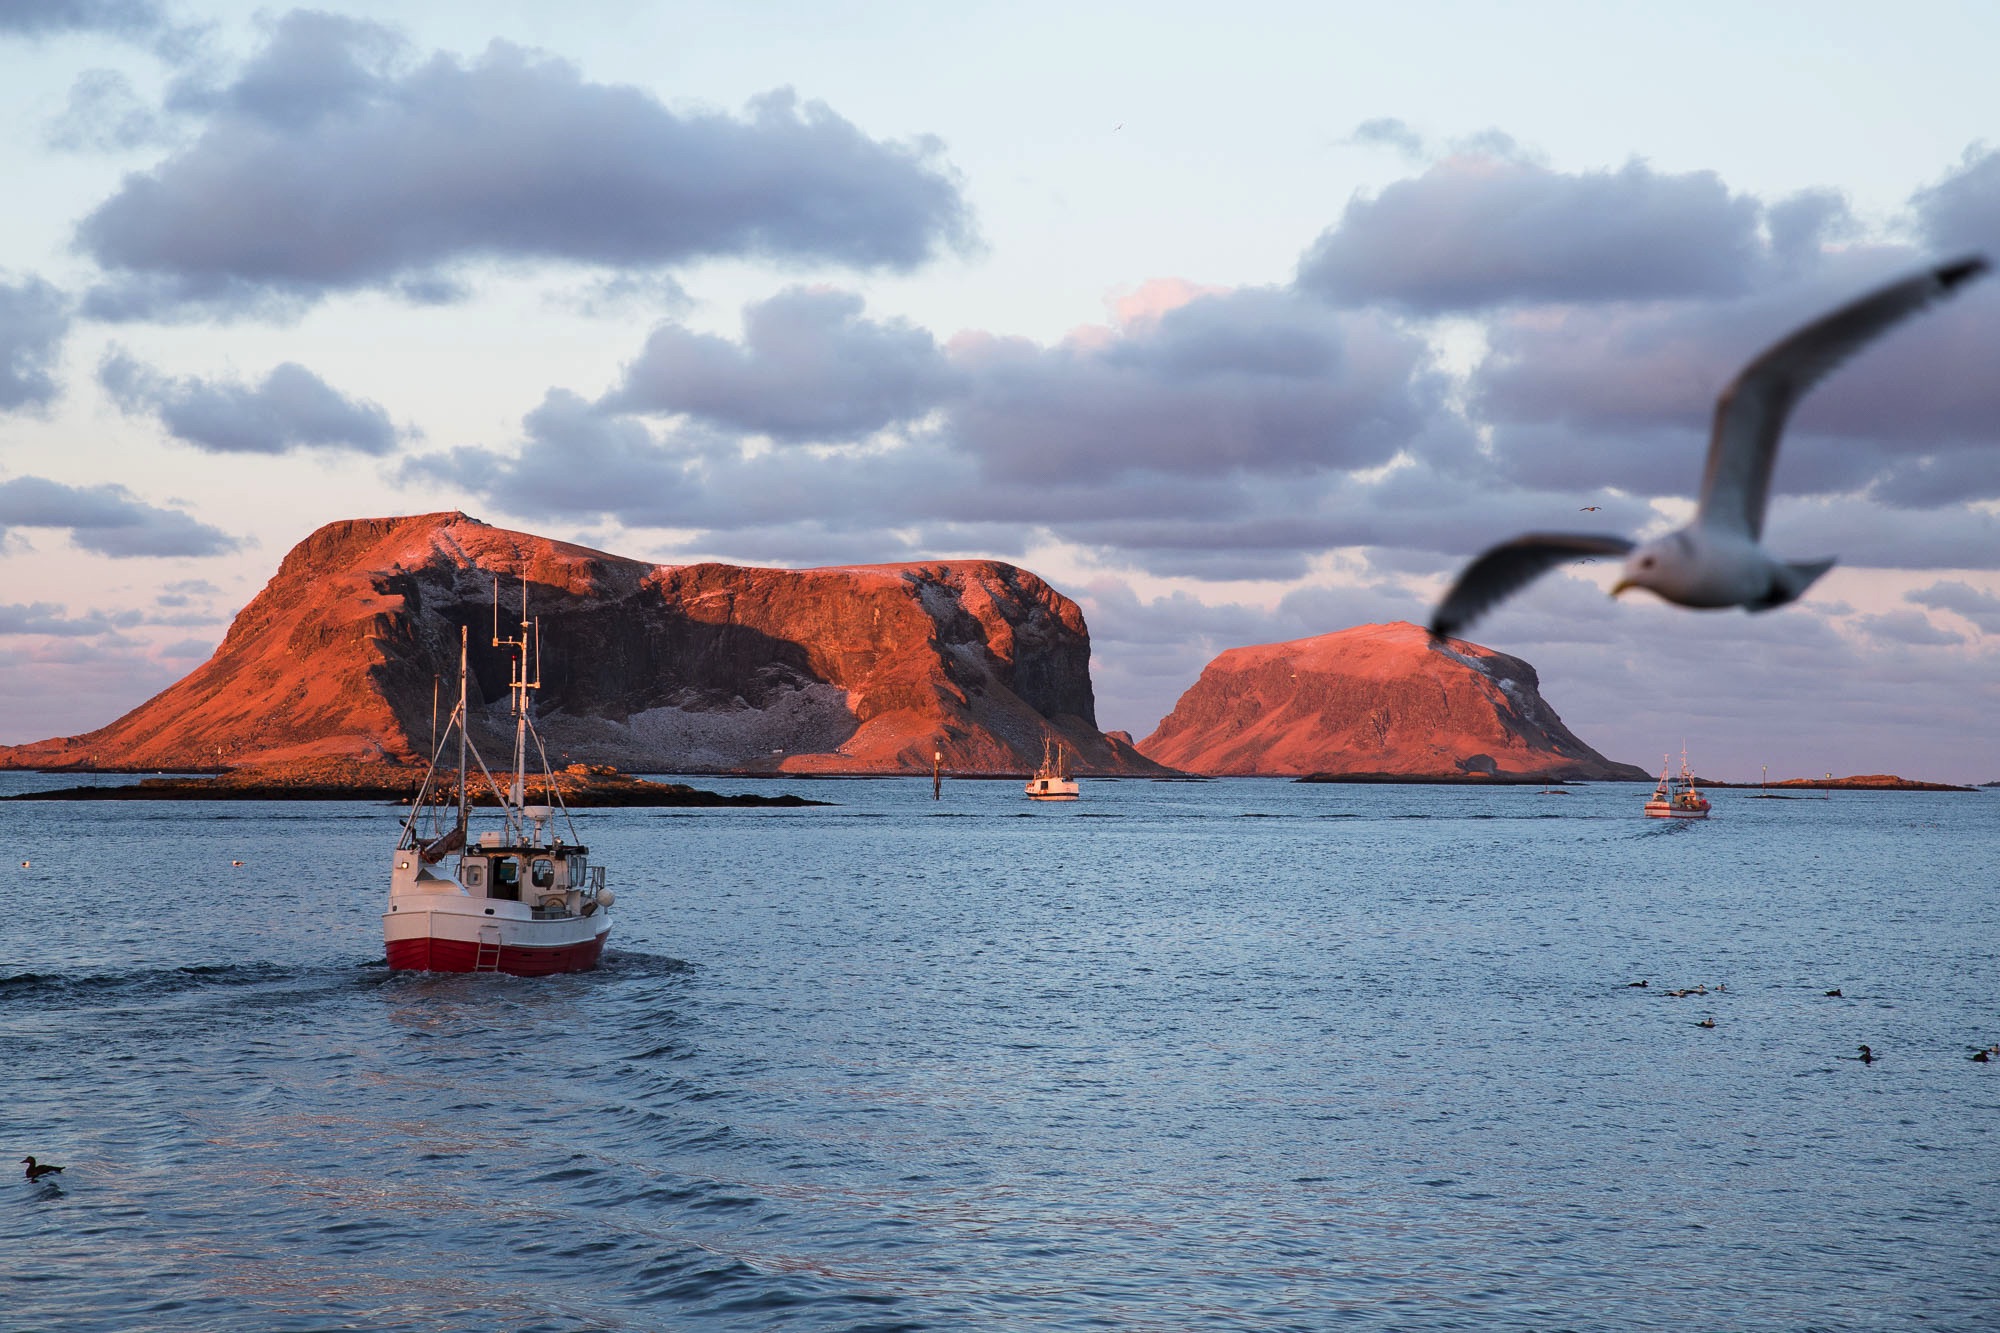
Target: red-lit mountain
[1375,699]
[692,668]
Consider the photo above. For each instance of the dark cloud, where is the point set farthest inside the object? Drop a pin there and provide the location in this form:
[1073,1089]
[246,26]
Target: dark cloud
[1871,536]
[1251,381]
[1477,231]
[1981,608]
[291,409]
[335,163]
[809,368]
[142,22]
[42,18]
[34,319]
[1962,212]
[1622,395]
[1907,627]
[107,519]
[1209,438]
[48,618]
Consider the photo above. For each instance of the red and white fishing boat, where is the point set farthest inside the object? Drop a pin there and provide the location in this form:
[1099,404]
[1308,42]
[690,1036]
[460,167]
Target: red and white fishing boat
[520,898]
[1676,799]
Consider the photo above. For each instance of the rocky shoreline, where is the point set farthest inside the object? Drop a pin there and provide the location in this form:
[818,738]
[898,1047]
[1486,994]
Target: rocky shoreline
[580,786]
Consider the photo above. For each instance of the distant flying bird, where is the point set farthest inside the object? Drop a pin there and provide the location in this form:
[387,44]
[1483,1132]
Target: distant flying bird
[35,1172]
[1589,509]
[1718,560]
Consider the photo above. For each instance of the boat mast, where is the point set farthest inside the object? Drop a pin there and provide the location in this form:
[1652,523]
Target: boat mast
[464,786]
[519,683]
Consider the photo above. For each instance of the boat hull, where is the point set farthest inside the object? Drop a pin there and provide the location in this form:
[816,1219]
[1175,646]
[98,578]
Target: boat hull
[419,940]
[1654,811]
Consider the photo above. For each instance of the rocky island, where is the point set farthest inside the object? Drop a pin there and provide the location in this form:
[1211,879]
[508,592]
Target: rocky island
[703,668]
[1380,703]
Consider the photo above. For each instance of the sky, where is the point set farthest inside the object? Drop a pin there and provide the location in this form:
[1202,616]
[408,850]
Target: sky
[1236,323]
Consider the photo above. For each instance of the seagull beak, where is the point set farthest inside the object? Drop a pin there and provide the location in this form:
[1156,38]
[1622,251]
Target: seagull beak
[1621,586]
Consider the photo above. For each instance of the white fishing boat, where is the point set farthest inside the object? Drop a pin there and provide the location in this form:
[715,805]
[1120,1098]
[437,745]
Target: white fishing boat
[1676,797]
[521,899]
[1052,781]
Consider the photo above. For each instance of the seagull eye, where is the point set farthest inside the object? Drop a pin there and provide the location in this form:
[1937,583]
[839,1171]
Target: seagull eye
[1647,563]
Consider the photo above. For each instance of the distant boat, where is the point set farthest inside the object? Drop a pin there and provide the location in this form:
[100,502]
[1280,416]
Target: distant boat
[1676,797]
[522,900]
[1052,781]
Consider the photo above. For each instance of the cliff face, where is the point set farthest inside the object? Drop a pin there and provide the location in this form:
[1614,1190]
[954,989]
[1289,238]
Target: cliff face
[1372,699]
[649,667]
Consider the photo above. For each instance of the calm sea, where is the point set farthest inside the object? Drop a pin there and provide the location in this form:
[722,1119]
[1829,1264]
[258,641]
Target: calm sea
[1228,1055]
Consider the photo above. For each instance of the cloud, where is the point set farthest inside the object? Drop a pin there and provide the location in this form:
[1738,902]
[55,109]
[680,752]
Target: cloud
[34,319]
[1205,432]
[336,163]
[48,618]
[41,18]
[104,114]
[142,22]
[1388,132]
[1479,230]
[809,368]
[107,519]
[292,409]
[1251,381]
[1981,608]
[1622,394]
[1962,212]
[1907,627]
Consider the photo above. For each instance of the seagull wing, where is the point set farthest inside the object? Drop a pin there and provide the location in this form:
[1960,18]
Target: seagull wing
[1750,414]
[1503,569]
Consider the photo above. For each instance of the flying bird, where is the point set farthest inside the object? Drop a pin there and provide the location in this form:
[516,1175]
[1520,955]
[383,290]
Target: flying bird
[35,1172]
[1718,560]
[1589,509]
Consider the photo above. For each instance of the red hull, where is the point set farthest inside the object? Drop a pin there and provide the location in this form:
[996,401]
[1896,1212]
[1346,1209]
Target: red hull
[435,955]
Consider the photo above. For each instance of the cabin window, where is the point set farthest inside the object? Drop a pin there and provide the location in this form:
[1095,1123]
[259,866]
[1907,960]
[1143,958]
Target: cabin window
[473,872]
[506,878]
[543,873]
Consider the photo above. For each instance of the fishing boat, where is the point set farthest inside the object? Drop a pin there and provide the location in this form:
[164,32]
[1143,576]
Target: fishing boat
[1676,797]
[521,899]
[1052,781]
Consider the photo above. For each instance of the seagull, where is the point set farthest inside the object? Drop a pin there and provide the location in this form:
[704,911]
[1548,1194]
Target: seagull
[1589,509]
[1719,559]
[35,1172]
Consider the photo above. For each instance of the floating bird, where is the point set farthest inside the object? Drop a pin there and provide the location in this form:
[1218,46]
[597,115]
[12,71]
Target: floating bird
[236,863]
[1719,559]
[1632,984]
[35,1172]
[24,865]
[1706,1023]
[1835,994]
[1867,1057]
[1983,1056]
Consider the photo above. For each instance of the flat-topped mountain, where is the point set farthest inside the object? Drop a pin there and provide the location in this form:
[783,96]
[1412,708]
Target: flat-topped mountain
[1375,700]
[662,668]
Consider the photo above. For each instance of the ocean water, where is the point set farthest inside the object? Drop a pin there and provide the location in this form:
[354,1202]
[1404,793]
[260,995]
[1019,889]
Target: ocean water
[1225,1055]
